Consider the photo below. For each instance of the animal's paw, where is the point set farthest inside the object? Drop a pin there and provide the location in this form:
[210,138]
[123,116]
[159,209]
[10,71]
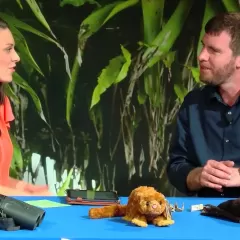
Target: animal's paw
[126,218]
[163,223]
[139,222]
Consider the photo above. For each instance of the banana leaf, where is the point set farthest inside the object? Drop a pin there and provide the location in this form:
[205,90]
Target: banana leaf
[171,30]
[88,27]
[114,73]
[78,3]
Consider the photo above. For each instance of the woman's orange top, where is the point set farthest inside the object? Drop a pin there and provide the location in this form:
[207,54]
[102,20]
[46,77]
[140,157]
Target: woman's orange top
[6,147]
[8,185]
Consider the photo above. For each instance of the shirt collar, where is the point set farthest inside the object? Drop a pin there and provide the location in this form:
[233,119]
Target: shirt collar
[212,93]
[215,95]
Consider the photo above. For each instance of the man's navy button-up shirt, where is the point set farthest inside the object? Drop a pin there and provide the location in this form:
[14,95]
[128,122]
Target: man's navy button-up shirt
[206,129]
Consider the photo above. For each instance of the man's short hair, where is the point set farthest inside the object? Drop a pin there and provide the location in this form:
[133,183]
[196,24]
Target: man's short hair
[229,22]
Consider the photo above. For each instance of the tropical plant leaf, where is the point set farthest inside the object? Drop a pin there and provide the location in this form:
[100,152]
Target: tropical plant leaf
[114,73]
[180,91]
[195,73]
[12,21]
[17,160]
[88,27]
[124,71]
[10,93]
[119,7]
[152,19]
[107,78]
[98,18]
[142,97]
[26,56]
[209,12]
[65,186]
[24,85]
[19,3]
[143,44]
[37,11]
[231,5]
[171,30]
[169,59]
[96,116]
[94,22]
[70,90]
[77,3]
[152,25]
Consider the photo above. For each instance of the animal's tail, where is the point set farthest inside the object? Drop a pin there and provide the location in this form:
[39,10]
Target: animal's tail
[108,211]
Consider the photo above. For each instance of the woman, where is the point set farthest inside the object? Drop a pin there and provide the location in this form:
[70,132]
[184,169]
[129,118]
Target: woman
[8,60]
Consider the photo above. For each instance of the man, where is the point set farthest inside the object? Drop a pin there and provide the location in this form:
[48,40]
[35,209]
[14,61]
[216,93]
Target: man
[205,150]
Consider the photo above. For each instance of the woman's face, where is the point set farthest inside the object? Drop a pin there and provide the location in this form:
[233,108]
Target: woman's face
[8,56]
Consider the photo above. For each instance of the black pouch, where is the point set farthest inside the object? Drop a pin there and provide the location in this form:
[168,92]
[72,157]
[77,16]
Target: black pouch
[228,210]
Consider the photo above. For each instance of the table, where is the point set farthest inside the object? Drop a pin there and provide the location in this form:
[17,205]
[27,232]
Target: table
[73,223]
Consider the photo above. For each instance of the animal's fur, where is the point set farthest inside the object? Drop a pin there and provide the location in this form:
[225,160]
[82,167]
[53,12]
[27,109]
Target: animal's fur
[145,205]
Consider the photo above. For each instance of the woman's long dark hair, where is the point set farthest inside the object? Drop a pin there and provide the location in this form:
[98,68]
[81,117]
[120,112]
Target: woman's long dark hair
[3,25]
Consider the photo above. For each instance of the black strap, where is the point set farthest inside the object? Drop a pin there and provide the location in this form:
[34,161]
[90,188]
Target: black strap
[7,223]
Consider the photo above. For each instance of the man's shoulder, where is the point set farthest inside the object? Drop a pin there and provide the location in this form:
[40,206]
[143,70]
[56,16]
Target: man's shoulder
[198,94]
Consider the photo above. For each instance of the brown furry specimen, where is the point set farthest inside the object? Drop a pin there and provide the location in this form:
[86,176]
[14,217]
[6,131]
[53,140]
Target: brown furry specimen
[145,205]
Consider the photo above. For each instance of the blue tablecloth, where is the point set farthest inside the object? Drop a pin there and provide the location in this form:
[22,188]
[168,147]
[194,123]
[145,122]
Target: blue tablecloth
[73,223]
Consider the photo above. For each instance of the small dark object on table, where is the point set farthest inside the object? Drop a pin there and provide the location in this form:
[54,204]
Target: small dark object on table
[229,210]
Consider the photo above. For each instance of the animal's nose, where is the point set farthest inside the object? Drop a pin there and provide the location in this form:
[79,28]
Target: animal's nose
[154,206]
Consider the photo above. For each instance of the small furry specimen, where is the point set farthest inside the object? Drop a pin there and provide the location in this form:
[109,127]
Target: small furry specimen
[228,210]
[145,205]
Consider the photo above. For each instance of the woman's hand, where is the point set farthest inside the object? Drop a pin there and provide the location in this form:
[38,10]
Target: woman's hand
[29,189]
[38,190]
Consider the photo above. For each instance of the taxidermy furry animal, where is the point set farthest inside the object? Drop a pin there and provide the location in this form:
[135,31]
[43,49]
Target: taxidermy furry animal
[228,210]
[145,205]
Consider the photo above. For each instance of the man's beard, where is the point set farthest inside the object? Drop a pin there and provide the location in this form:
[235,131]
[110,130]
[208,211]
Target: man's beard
[219,76]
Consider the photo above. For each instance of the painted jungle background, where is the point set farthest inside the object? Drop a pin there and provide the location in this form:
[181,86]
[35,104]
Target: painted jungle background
[99,84]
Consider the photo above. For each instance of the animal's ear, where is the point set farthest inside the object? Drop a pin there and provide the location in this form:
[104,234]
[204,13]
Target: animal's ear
[167,212]
[139,195]
[160,196]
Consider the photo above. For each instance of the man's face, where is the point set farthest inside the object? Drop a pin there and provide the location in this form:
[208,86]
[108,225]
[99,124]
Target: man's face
[8,56]
[216,60]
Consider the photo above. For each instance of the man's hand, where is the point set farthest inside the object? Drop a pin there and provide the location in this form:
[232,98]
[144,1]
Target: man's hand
[213,175]
[234,181]
[216,174]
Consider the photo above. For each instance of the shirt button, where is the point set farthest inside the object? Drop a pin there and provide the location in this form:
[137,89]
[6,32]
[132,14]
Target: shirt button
[227,140]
